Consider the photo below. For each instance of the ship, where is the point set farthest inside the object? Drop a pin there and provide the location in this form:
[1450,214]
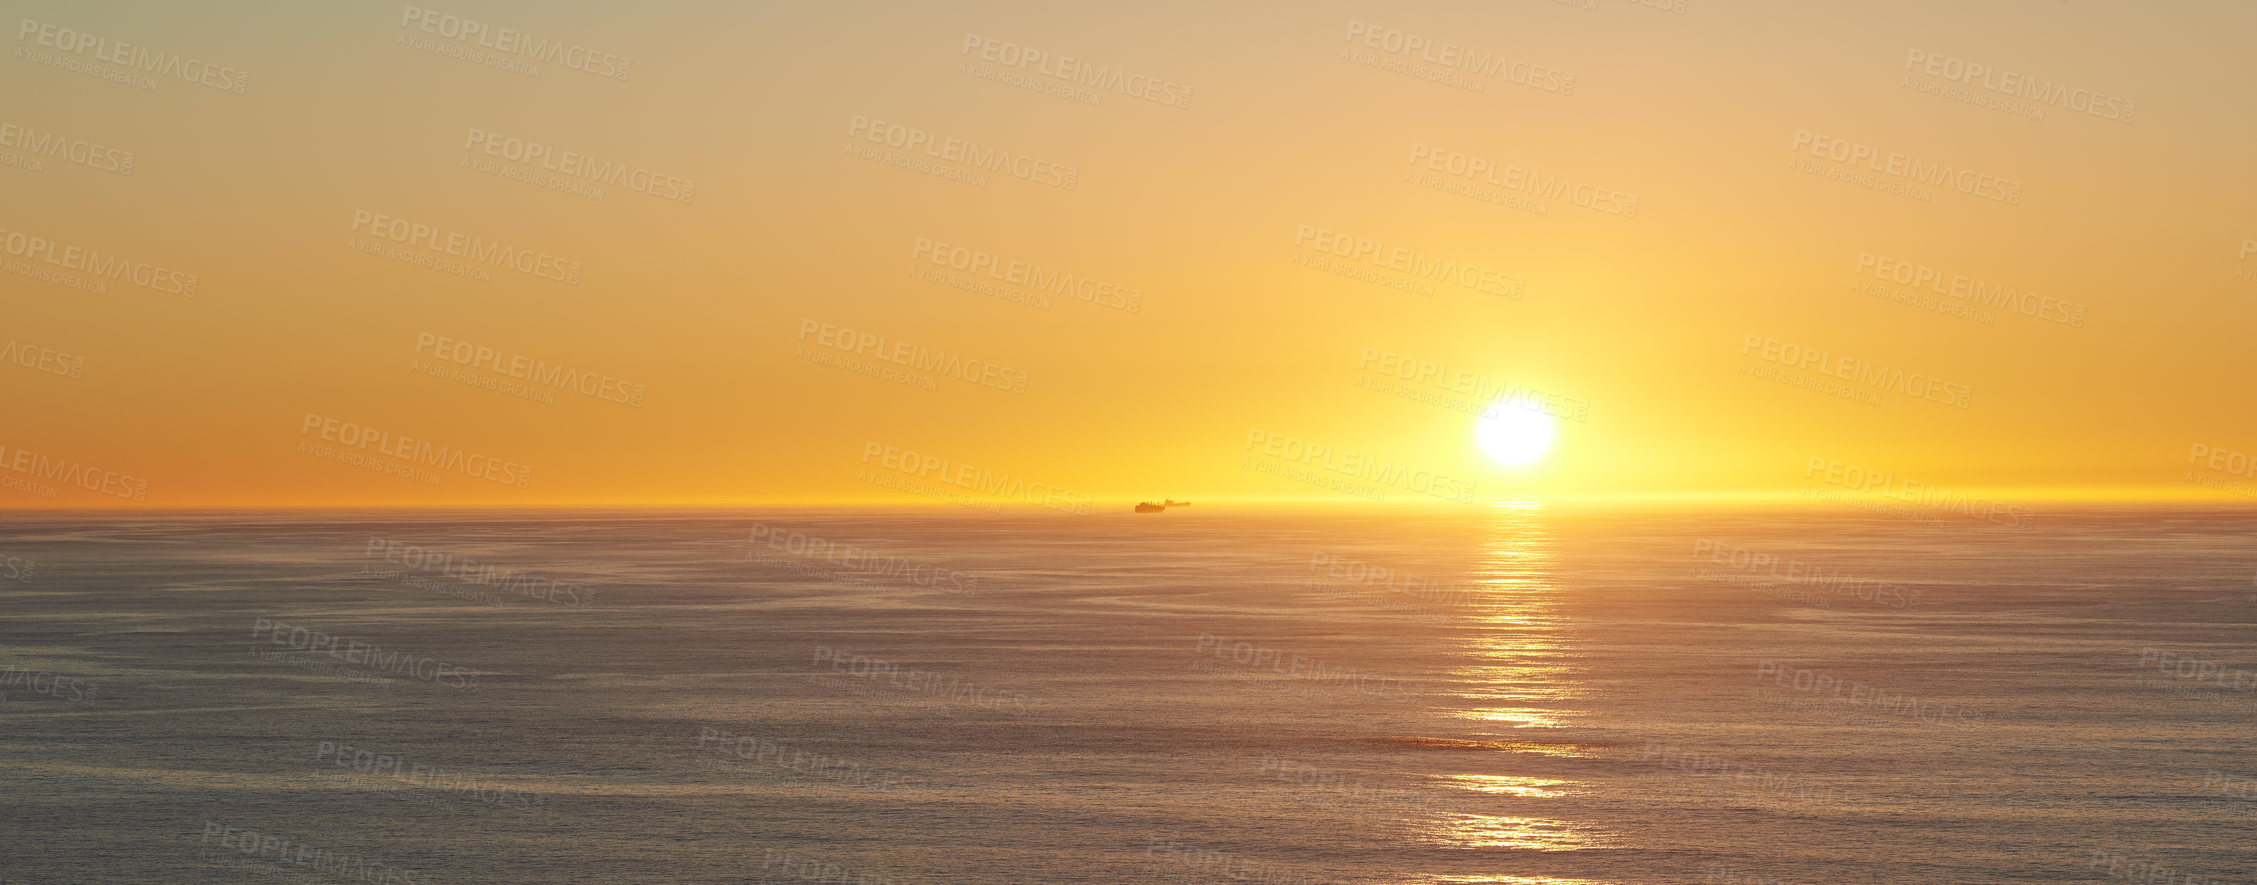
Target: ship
[1171,502]
[1149,507]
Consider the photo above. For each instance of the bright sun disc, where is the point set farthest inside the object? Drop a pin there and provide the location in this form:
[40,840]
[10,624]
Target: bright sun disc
[1515,436]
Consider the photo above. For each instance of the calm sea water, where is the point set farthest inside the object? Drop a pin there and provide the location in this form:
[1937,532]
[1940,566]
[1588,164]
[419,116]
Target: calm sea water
[1493,696]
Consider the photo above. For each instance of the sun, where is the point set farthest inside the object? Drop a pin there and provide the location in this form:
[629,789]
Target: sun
[1514,436]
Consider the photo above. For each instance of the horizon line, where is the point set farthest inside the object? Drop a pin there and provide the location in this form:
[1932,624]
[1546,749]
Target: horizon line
[1722,501]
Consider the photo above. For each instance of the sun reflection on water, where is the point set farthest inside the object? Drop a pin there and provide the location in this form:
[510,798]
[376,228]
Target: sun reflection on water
[1519,676]
[1510,785]
[1498,831]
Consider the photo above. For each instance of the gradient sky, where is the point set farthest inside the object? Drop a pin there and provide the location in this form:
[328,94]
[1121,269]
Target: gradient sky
[1292,124]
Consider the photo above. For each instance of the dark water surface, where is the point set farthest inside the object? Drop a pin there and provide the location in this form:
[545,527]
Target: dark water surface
[1501,695]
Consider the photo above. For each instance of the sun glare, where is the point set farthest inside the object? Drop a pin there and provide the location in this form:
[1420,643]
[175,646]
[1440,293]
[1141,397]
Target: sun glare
[1515,437]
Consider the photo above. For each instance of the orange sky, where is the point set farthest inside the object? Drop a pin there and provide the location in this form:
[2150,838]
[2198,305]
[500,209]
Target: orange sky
[1082,257]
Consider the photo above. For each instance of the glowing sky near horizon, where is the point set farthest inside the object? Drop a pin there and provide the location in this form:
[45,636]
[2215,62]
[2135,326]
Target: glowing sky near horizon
[727,253]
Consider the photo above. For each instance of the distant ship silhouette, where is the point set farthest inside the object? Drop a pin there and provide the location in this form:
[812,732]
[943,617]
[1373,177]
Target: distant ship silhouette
[1149,507]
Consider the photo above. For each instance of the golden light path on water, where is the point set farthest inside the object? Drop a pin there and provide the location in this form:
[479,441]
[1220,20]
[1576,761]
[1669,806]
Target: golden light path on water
[1518,655]
[1516,680]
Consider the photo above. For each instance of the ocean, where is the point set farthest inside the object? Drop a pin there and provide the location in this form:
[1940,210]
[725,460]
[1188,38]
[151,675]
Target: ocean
[1486,695]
